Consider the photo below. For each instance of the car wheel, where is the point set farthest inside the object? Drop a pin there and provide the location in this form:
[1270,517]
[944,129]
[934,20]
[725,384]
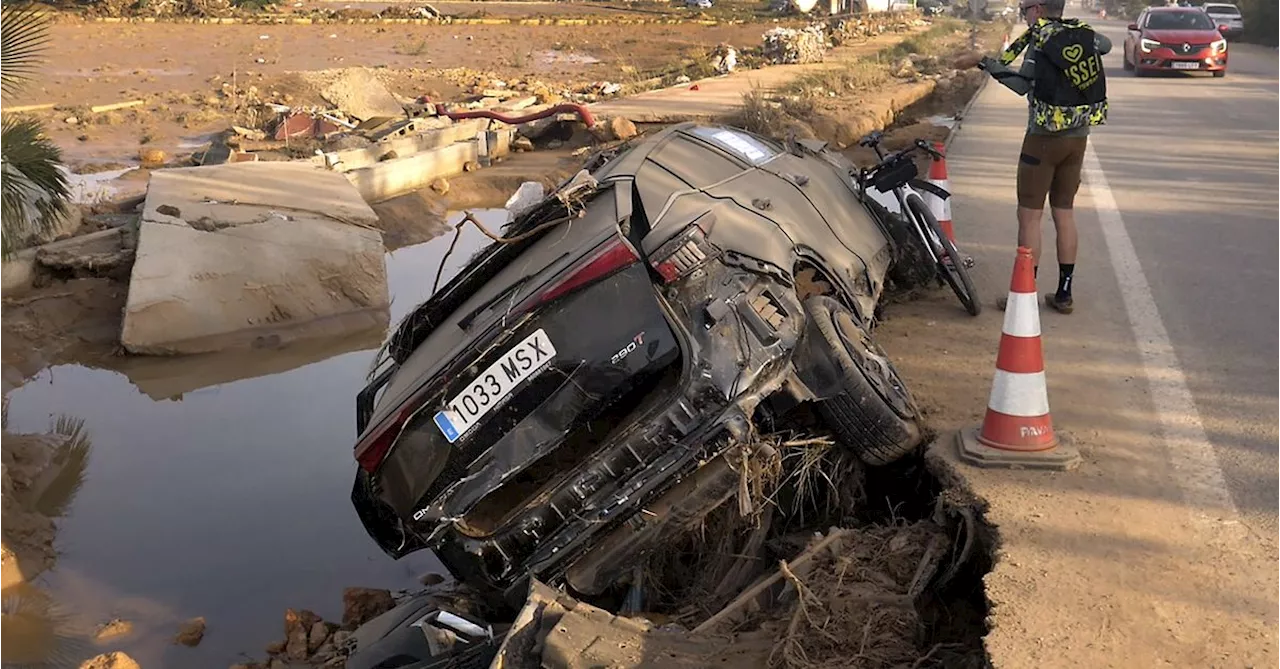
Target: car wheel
[1128,64]
[876,417]
[1220,74]
[912,263]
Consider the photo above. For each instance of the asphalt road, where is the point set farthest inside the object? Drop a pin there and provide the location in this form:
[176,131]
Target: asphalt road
[1192,164]
[1160,549]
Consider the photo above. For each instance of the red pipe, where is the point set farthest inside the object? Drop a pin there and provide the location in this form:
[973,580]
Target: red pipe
[583,113]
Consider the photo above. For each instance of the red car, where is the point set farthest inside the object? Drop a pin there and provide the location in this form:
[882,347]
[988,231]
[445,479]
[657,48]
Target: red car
[1175,39]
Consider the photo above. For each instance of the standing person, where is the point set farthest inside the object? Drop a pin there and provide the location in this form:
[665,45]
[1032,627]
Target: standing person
[1066,90]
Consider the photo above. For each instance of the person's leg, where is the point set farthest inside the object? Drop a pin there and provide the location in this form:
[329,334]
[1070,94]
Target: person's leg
[1035,177]
[1062,193]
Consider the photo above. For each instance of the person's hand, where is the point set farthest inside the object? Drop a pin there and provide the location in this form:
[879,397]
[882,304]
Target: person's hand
[967,61]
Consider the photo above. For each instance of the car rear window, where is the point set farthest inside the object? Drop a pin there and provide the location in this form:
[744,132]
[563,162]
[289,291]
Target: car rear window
[1188,20]
[1222,10]
[747,147]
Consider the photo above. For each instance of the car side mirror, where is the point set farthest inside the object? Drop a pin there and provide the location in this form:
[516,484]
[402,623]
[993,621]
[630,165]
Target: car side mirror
[1133,26]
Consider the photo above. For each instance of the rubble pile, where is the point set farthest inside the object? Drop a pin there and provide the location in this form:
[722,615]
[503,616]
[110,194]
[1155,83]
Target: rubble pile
[791,46]
[845,30]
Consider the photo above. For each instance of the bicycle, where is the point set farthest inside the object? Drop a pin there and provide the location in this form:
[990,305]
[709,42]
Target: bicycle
[897,173]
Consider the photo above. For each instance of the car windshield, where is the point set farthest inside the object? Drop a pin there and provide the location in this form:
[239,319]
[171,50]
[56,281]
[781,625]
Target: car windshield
[1221,10]
[1189,20]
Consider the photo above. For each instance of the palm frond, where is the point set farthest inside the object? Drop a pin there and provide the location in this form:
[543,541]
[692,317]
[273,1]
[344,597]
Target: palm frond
[33,189]
[72,459]
[24,34]
[43,634]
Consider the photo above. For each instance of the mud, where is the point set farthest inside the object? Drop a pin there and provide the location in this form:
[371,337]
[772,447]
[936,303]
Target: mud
[182,69]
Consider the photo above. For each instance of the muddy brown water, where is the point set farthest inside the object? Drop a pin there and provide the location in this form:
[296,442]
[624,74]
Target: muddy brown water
[215,487]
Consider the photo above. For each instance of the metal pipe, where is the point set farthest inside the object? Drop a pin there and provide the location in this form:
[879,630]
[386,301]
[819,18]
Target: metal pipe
[565,107]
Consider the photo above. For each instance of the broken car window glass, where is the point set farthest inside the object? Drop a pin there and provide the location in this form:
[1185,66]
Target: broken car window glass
[749,148]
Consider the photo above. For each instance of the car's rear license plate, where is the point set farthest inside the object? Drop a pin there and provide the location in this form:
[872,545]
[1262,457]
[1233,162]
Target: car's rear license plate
[1184,65]
[495,384]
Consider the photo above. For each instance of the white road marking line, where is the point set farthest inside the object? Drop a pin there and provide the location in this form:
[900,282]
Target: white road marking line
[1192,456]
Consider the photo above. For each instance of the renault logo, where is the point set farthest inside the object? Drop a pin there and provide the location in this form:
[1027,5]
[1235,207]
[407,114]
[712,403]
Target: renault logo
[1186,48]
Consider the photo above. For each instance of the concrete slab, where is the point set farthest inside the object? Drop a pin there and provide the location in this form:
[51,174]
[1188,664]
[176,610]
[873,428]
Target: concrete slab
[390,178]
[18,273]
[403,145]
[252,254]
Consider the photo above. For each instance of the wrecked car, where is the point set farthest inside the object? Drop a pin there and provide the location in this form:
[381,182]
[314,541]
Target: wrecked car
[569,396]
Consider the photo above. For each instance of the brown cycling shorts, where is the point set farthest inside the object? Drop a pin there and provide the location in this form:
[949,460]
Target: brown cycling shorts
[1050,166]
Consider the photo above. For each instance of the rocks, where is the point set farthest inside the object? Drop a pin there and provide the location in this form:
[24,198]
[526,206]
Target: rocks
[621,127]
[522,144]
[318,635]
[470,166]
[151,157]
[191,632]
[297,632]
[555,144]
[431,578]
[440,186]
[112,630]
[276,647]
[116,660]
[360,605]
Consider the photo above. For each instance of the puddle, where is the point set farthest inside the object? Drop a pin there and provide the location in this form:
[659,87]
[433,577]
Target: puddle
[215,486]
[96,187]
[554,57]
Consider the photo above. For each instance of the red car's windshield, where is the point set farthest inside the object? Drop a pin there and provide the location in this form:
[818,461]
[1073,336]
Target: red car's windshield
[1188,20]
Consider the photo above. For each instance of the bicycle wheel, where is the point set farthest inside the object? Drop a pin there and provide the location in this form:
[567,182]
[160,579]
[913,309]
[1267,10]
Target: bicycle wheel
[950,264]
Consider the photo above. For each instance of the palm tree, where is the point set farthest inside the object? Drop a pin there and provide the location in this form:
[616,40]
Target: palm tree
[33,187]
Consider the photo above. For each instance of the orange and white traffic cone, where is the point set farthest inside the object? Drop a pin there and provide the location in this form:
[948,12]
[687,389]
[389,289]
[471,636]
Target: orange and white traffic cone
[1018,429]
[941,207]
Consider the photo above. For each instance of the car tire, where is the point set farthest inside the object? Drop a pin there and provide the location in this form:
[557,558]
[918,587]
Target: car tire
[1219,74]
[875,416]
[1128,64]
[912,266]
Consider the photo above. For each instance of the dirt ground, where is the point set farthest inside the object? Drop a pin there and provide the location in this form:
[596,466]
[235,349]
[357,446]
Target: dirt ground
[182,68]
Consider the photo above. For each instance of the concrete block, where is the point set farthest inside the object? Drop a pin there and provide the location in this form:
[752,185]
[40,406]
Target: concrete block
[252,254]
[499,143]
[403,145]
[242,193]
[390,178]
[18,272]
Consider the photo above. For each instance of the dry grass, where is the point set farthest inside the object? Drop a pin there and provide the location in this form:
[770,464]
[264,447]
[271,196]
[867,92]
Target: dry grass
[761,115]
[857,75]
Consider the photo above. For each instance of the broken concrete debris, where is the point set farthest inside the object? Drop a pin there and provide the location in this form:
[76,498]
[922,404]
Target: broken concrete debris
[246,254]
[791,45]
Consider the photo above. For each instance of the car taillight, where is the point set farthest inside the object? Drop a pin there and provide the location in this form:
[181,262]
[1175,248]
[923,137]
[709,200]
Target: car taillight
[371,450]
[683,253]
[606,259]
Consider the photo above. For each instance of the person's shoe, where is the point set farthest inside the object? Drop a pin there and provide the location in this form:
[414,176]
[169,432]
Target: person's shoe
[1063,305]
[1002,303]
